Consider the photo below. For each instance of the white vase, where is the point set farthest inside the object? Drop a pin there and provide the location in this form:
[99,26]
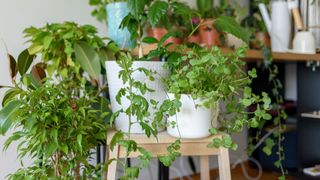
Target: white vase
[115,84]
[192,122]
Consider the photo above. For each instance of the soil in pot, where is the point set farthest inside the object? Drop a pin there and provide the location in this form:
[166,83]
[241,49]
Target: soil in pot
[192,122]
[115,84]
[158,33]
[209,36]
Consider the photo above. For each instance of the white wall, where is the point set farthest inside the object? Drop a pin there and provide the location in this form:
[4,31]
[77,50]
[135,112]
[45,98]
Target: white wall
[15,15]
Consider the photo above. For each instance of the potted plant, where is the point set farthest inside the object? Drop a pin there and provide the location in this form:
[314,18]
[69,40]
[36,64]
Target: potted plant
[202,80]
[208,33]
[259,35]
[55,103]
[112,12]
[173,20]
[135,22]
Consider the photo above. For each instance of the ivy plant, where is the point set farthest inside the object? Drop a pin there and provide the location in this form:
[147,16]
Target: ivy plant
[213,77]
[57,101]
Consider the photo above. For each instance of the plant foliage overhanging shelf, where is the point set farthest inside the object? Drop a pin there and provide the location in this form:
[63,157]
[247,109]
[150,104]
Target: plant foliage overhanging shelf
[256,55]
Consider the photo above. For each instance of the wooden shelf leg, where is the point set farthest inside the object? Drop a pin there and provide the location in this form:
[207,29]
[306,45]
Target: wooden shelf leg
[112,168]
[224,164]
[204,168]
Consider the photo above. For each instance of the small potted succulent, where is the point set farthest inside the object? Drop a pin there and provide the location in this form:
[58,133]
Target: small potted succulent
[112,12]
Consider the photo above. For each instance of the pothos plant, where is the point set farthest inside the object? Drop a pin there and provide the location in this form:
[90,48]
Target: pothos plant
[275,139]
[55,109]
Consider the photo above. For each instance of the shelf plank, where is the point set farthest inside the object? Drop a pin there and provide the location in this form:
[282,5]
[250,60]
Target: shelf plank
[252,55]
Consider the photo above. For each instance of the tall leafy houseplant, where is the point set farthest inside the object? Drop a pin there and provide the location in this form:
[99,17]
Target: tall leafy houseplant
[55,103]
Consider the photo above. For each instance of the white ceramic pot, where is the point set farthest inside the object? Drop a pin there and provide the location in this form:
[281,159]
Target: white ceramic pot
[115,84]
[192,122]
[304,42]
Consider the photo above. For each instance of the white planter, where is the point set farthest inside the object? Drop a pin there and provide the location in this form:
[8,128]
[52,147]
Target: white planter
[192,122]
[115,84]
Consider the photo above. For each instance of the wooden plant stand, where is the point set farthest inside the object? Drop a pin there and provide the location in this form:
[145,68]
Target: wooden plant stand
[189,147]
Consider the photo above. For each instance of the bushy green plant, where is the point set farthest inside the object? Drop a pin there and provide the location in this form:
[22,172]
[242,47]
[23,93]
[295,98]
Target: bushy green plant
[212,77]
[56,104]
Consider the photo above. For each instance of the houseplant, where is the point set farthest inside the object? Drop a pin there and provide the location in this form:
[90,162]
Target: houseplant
[175,15]
[135,22]
[55,103]
[259,35]
[112,12]
[208,33]
[205,78]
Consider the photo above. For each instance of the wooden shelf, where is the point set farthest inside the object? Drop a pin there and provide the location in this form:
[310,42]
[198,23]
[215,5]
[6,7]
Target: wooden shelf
[255,55]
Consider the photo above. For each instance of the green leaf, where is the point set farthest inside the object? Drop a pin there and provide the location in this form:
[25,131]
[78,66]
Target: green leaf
[132,172]
[24,61]
[51,149]
[13,66]
[115,139]
[150,40]
[136,7]
[79,140]
[164,38]
[35,48]
[229,25]
[9,95]
[30,81]
[8,115]
[156,11]
[88,59]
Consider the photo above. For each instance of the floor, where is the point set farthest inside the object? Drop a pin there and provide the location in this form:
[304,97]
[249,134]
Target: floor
[237,174]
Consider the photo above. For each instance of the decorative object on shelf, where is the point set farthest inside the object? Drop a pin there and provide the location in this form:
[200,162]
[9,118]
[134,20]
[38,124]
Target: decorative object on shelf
[112,12]
[310,10]
[303,41]
[279,26]
[116,11]
[56,106]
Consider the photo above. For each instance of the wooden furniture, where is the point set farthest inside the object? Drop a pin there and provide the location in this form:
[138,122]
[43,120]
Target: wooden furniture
[253,55]
[189,147]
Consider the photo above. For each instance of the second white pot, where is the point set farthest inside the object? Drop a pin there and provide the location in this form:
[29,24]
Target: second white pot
[192,122]
[115,84]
